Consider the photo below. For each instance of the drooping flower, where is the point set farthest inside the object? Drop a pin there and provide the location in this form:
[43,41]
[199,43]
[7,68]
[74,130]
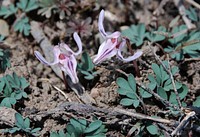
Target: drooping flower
[64,57]
[112,45]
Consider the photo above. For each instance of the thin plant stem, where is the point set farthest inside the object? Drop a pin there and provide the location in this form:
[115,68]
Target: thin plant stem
[65,80]
[134,61]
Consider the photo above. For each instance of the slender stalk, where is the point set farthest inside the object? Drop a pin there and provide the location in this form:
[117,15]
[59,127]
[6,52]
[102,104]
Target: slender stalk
[134,61]
[65,80]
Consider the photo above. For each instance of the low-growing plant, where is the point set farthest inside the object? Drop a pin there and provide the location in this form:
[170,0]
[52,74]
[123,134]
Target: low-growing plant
[184,44]
[196,103]
[154,34]
[192,14]
[4,59]
[162,83]
[135,33]
[23,125]
[86,67]
[80,128]
[12,89]
[128,89]
[21,23]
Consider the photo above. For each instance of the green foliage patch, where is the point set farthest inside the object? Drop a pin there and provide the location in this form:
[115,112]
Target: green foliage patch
[12,89]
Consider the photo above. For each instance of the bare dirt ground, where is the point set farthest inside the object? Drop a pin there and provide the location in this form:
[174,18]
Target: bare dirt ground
[43,97]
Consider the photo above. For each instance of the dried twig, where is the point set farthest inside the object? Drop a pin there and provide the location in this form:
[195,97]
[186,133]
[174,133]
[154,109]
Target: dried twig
[159,10]
[193,3]
[182,12]
[142,116]
[62,92]
[168,70]
[88,110]
[183,123]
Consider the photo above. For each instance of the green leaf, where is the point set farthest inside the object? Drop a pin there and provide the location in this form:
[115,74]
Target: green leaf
[122,83]
[24,84]
[144,93]
[196,103]
[87,62]
[2,84]
[152,85]
[26,123]
[93,126]
[156,36]
[32,4]
[126,102]
[172,98]
[152,129]
[135,33]
[27,5]
[174,70]
[70,129]
[8,102]
[54,134]
[8,11]
[131,95]
[192,14]
[100,131]
[136,103]
[19,120]
[183,91]
[132,82]
[35,130]
[178,40]
[77,125]
[156,70]
[121,91]
[162,93]
[23,26]
[16,79]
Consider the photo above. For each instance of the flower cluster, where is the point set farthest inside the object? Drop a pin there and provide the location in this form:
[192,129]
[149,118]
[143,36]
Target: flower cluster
[64,57]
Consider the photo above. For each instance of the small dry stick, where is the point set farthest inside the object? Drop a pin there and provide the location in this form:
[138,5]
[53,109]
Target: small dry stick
[182,12]
[165,102]
[193,3]
[183,123]
[62,92]
[168,70]
[159,10]
[142,116]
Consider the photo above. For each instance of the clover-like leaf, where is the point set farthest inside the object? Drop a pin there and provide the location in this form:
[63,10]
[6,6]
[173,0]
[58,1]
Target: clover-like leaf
[192,14]
[152,129]
[156,36]
[8,11]
[27,5]
[196,103]
[93,126]
[23,26]
[136,33]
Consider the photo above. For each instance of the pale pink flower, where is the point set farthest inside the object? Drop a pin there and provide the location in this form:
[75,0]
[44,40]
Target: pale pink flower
[112,45]
[64,57]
